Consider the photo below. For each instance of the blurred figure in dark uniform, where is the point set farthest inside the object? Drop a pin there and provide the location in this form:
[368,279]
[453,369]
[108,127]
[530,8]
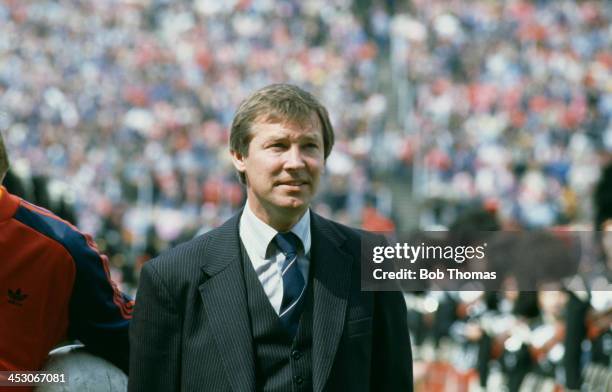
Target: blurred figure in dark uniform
[589,309]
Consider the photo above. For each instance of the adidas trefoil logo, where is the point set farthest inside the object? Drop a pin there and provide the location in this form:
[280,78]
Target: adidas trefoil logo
[16,297]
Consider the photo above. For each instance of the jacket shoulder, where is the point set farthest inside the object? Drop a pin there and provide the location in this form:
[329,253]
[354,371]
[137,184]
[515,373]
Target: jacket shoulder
[181,261]
[45,223]
[184,262]
[351,234]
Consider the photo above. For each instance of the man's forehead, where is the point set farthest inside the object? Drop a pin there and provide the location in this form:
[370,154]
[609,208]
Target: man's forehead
[307,127]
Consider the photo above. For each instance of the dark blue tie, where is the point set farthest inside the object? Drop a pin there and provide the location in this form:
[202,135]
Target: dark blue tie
[294,284]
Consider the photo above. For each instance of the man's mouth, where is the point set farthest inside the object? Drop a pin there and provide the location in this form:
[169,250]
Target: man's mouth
[293,183]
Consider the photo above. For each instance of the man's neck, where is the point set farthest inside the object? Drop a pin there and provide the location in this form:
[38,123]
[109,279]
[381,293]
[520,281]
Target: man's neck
[281,221]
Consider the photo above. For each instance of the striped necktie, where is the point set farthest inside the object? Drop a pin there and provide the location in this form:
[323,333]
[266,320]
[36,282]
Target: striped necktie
[294,284]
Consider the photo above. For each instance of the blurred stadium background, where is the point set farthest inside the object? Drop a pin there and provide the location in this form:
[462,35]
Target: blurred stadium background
[116,115]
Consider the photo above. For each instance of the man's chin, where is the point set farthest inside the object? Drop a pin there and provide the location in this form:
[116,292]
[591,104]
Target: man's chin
[292,203]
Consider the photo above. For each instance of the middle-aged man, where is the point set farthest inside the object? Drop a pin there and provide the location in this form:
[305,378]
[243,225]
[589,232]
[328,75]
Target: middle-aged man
[271,300]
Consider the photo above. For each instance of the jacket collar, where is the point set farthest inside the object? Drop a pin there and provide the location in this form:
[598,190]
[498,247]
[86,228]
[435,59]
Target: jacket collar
[222,247]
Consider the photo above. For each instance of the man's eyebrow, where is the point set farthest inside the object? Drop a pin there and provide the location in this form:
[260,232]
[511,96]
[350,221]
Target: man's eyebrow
[311,137]
[275,138]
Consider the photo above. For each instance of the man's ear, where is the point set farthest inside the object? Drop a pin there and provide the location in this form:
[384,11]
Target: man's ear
[238,161]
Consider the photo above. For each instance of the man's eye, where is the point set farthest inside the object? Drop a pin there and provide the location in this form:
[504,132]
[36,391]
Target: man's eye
[312,146]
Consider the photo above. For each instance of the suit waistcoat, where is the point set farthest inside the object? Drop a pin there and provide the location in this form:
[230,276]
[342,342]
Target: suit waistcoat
[281,363]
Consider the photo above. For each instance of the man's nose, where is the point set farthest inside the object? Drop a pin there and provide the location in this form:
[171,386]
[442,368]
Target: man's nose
[294,158]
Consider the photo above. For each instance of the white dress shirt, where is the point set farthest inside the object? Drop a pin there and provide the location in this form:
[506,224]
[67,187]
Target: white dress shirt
[265,256]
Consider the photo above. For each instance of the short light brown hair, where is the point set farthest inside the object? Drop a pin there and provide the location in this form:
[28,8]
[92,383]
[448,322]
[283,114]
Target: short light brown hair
[4,162]
[278,103]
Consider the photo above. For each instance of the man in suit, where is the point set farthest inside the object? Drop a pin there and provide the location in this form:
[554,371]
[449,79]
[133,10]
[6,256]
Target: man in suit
[270,300]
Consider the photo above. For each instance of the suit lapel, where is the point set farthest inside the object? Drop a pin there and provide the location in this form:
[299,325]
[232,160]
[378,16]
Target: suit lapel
[224,298]
[331,282]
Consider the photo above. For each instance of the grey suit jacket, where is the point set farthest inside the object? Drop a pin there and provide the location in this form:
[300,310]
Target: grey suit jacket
[191,331]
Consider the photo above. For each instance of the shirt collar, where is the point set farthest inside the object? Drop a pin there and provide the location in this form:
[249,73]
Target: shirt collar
[259,234]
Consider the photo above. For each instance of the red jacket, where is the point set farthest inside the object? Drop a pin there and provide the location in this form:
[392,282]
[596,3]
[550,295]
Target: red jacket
[54,284]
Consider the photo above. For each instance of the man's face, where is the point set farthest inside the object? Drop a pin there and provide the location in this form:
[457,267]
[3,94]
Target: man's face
[283,166]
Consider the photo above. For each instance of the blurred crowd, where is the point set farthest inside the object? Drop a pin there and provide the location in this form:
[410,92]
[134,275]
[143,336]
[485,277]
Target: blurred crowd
[510,103]
[125,106]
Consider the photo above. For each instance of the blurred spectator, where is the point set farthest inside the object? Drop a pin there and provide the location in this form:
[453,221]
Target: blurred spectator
[57,285]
